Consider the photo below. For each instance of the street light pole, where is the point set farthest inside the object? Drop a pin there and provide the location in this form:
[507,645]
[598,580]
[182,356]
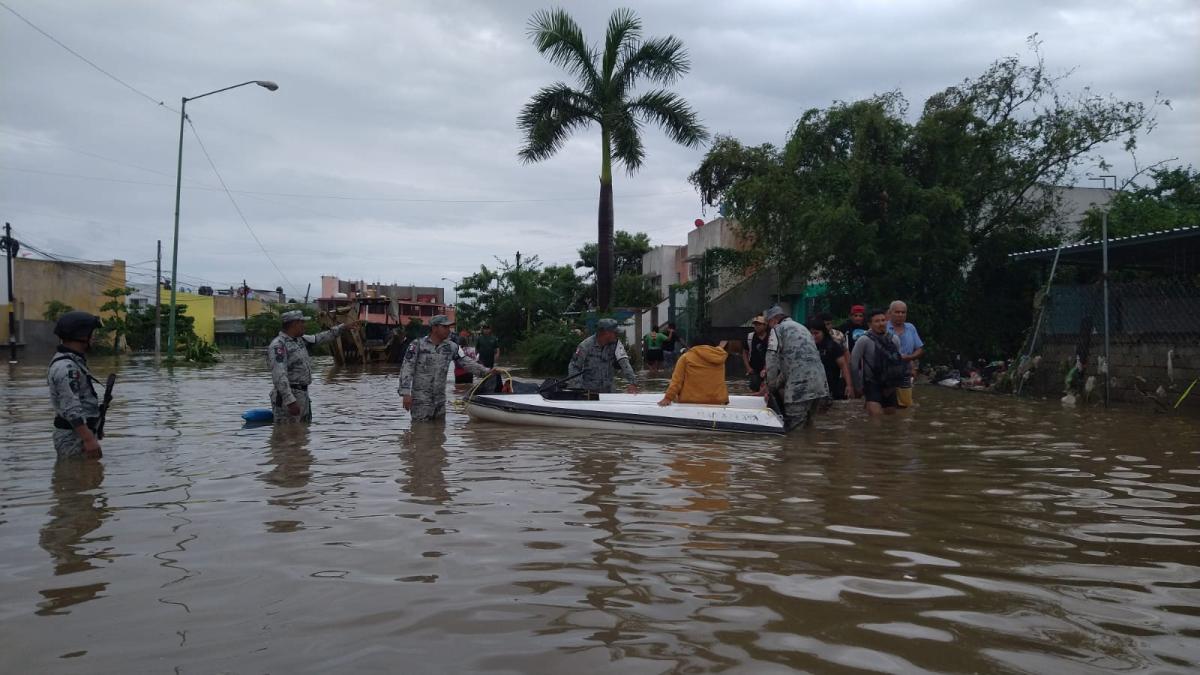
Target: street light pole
[265,84]
[453,288]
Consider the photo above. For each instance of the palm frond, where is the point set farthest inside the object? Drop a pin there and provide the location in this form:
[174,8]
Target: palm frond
[661,60]
[557,37]
[626,133]
[550,117]
[624,29]
[670,112]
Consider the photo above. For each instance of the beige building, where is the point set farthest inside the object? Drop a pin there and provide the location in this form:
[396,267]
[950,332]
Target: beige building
[38,282]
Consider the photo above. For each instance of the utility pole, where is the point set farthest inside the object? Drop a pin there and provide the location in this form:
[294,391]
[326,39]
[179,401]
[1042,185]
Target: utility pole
[518,261]
[246,312]
[1107,372]
[306,292]
[158,303]
[10,247]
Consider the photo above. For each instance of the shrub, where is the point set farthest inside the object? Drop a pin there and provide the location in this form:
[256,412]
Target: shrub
[550,348]
[199,350]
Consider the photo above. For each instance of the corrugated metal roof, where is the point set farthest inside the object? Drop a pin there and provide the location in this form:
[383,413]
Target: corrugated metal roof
[1127,240]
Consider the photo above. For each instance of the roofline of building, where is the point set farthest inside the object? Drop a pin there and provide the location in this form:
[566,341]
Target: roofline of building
[1115,242]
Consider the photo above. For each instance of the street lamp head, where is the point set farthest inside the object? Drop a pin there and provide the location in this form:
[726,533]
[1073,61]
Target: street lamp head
[267,84]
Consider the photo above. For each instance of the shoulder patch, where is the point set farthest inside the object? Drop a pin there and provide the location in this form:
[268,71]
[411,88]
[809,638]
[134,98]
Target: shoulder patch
[280,353]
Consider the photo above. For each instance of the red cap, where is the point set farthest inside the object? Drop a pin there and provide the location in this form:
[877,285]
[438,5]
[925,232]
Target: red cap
[858,309]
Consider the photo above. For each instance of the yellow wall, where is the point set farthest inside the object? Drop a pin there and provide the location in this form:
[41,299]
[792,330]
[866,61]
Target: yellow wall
[80,285]
[199,307]
[36,282]
[229,307]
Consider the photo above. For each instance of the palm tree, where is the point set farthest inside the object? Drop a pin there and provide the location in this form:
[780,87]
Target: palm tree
[605,96]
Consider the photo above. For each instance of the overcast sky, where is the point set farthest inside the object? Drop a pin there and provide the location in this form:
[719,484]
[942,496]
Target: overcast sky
[389,151]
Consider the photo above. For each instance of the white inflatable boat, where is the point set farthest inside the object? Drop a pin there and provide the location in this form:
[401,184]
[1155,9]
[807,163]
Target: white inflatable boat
[626,412]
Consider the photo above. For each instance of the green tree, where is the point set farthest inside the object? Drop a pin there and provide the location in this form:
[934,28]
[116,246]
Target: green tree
[630,288]
[140,326]
[55,309]
[885,208]
[515,299]
[265,325]
[116,325]
[604,95]
[628,250]
[1170,200]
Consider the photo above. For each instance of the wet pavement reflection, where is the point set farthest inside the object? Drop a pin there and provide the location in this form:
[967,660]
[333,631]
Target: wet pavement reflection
[975,534]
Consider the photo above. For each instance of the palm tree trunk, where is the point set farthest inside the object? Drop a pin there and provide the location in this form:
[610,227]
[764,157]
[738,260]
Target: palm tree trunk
[604,242]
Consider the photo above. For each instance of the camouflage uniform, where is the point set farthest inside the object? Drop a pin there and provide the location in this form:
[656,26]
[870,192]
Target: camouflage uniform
[596,363]
[423,375]
[794,372]
[291,372]
[73,398]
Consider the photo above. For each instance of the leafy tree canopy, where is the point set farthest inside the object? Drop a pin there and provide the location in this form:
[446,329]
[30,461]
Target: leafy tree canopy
[882,207]
[1170,199]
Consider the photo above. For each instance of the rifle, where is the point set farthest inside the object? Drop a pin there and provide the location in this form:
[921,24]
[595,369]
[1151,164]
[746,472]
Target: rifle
[552,384]
[108,397]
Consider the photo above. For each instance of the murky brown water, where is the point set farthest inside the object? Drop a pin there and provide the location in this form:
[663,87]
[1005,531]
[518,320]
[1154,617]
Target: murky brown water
[978,534]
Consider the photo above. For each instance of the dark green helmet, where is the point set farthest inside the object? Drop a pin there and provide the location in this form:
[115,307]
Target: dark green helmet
[76,325]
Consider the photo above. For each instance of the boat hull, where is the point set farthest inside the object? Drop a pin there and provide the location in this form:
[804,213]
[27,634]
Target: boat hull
[627,412]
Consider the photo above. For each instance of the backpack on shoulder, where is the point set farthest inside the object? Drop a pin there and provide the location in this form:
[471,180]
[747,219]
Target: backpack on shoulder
[890,369]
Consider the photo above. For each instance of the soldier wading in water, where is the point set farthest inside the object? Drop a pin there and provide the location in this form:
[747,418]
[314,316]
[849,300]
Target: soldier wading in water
[423,374]
[291,366]
[76,406]
[795,375]
[597,356]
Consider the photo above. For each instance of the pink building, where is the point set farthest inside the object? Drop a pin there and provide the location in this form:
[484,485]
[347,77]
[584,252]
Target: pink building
[386,304]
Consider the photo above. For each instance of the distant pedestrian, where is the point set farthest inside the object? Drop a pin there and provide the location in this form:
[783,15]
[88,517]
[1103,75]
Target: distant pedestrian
[794,372]
[911,348]
[423,374]
[670,345]
[76,406]
[597,356]
[291,366]
[855,327]
[488,347]
[653,349]
[754,356]
[834,359]
[876,368]
[837,335]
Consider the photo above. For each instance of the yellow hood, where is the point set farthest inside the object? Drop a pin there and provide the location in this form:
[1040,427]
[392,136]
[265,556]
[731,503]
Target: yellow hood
[710,355]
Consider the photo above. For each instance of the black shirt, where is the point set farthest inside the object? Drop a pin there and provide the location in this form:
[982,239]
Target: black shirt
[758,352]
[485,347]
[853,332]
[831,350]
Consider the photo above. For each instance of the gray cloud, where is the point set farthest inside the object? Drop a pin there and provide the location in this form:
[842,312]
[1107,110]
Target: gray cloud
[382,101]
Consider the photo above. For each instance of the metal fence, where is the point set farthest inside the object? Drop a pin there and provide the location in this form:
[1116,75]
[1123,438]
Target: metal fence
[1153,343]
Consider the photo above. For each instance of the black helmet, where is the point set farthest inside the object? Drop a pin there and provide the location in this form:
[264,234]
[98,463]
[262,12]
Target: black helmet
[76,325]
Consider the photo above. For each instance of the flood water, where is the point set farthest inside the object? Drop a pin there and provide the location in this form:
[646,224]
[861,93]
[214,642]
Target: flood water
[975,534]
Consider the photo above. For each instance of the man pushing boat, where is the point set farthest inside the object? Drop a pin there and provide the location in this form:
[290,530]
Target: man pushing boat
[423,373]
[596,359]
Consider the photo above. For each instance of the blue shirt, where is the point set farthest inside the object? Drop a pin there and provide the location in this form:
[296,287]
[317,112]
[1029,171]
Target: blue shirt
[910,340]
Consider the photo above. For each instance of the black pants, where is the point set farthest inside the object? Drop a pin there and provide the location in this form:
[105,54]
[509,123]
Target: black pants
[756,380]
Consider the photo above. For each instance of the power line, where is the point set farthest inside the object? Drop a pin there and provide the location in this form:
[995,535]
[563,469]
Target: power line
[78,266]
[88,61]
[404,200]
[87,153]
[238,208]
[138,269]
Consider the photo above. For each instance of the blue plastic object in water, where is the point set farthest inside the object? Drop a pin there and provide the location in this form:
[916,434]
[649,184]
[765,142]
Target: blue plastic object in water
[258,415]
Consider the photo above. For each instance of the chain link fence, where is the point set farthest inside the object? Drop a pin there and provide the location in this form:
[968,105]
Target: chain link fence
[1153,343]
